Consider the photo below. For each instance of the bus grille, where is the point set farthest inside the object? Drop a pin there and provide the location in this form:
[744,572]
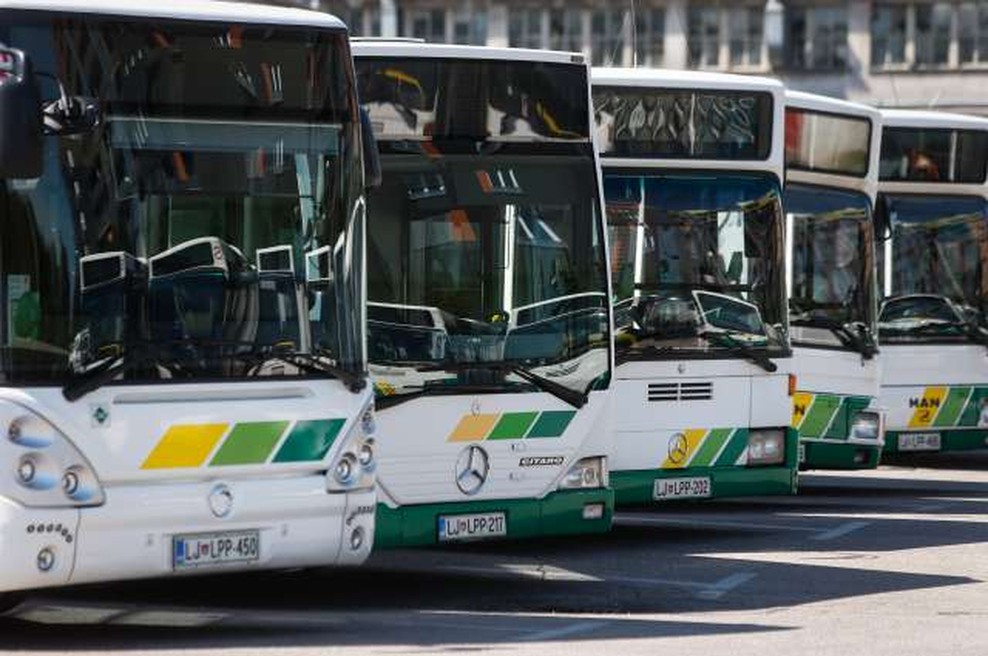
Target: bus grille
[680,391]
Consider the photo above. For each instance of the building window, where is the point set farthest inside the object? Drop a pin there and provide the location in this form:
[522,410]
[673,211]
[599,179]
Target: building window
[525,28]
[888,35]
[933,33]
[817,37]
[650,35]
[746,35]
[469,25]
[607,37]
[972,22]
[704,36]
[566,30]
[428,24]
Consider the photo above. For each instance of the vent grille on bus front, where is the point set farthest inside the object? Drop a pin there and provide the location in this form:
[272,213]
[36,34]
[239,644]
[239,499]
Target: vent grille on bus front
[680,391]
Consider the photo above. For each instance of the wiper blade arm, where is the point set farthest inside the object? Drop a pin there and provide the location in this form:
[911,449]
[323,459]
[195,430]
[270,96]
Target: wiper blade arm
[751,354]
[383,402]
[573,397]
[314,363]
[93,379]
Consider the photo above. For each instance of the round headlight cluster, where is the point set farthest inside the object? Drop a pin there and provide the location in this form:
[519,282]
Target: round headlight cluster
[26,471]
[345,469]
[366,454]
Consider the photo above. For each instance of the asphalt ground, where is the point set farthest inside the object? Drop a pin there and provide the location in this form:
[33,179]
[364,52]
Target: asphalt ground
[892,561]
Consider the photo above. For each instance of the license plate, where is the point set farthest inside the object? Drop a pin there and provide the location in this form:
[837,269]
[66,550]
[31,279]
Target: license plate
[190,551]
[919,442]
[695,487]
[453,528]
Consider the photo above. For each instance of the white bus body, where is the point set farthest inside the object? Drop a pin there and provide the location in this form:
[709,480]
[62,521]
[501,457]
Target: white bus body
[179,397]
[932,322]
[832,153]
[488,312]
[693,172]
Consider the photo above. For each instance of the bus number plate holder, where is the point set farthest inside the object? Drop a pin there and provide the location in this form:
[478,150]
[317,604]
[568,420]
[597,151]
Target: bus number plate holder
[919,442]
[478,526]
[205,549]
[693,487]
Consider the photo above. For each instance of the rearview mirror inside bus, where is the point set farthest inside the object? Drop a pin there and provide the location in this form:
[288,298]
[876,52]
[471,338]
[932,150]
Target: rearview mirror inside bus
[21,144]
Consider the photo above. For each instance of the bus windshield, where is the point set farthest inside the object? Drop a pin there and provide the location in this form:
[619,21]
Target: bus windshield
[207,225]
[833,255]
[487,259]
[938,284]
[697,264]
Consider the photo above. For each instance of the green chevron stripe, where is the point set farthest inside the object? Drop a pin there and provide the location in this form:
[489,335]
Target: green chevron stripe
[551,423]
[512,425]
[309,440]
[819,416]
[735,447]
[953,406]
[710,447]
[249,443]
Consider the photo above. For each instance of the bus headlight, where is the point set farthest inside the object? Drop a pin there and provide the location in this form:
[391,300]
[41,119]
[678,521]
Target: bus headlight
[866,426]
[766,446]
[588,473]
[355,462]
[48,470]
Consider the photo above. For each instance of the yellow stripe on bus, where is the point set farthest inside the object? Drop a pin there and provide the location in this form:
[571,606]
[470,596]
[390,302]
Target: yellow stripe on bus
[682,446]
[185,445]
[801,402]
[927,407]
[473,427]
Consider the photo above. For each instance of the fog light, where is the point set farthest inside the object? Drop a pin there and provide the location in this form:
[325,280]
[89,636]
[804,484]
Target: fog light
[366,453]
[26,471]
[593,511]
[357,538]
[344,469]
[70,483]
[860,457]
[46,559]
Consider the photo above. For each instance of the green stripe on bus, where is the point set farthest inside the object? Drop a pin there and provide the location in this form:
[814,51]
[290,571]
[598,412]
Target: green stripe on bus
[710,447]
[513,425]
[551,423]
[735,447]
[819,415]
[952,406]
[972,411]
[309,440]
[249,443]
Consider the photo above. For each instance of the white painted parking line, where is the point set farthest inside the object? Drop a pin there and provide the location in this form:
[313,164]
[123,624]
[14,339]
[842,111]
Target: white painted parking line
[900,517]
[565,631]
[839,531]
[709,523]
[541,572]
[725,585]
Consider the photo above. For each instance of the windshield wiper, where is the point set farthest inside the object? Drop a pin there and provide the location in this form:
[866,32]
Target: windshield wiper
[93,379]
[316,363]
[854,334]
[383,402]
[575,398]
[733,345]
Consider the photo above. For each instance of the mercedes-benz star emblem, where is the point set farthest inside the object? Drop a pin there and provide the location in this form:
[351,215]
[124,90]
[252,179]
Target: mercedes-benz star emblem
[472,468]
[679,448]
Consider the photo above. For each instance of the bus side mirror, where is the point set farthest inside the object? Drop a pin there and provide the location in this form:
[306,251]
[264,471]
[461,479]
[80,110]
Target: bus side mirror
[21,144]
[372,159]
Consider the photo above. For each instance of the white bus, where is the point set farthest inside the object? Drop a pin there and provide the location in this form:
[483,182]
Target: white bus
[181,283]
[831,183]
[488,309]
[693,172]
[933,209]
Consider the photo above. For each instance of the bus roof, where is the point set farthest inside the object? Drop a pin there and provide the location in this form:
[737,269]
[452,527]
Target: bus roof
[913,118]
[669,79]
[818,103]
[841,179]
[400,48]
[192,10]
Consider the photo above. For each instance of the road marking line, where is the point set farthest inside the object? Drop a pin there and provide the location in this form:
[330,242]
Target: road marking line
[709,523]
[840,531]
[541,572]
[725,585]
[932,507]
[564,631]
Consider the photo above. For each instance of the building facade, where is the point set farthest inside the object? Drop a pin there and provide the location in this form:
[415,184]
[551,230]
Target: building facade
[896,53]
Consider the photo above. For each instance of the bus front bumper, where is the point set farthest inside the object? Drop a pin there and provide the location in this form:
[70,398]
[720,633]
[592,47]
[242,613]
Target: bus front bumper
[135,533]
[637,488]
[568,512]
[839,455]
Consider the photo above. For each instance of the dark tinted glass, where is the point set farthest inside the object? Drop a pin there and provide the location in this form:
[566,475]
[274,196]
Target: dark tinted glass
[931,155]
[827,143]
[474,99]
[683,124]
